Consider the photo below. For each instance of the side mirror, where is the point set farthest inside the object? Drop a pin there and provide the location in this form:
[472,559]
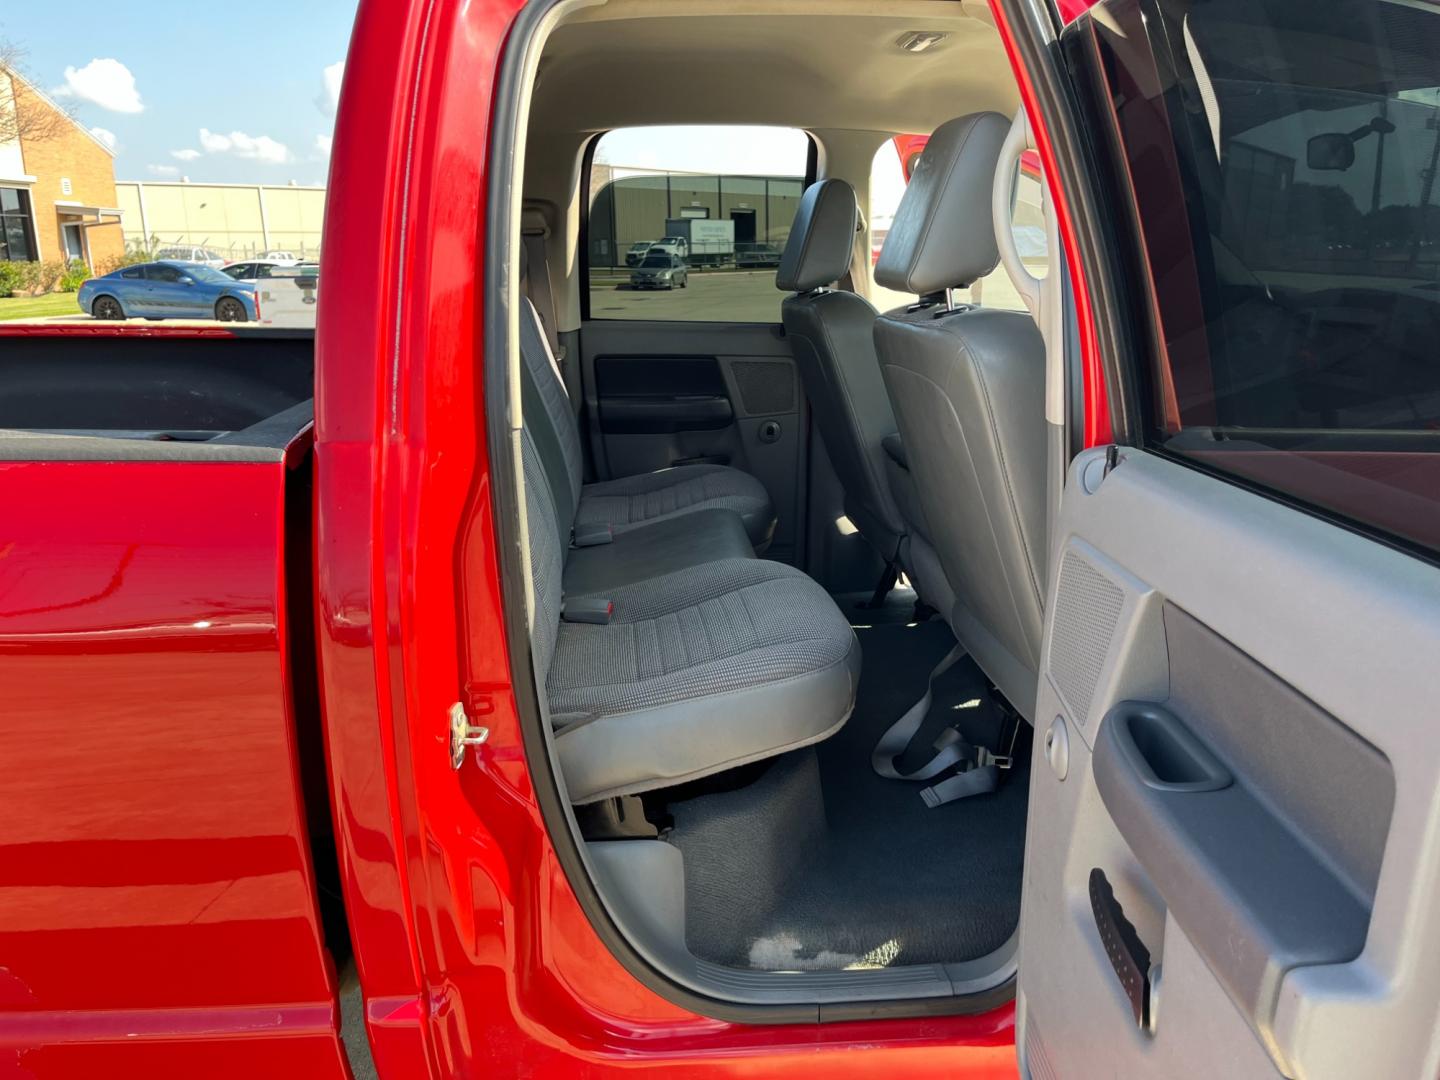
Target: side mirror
[186,280]
[1332,152]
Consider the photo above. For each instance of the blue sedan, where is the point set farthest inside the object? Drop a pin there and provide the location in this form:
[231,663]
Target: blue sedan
[169,290]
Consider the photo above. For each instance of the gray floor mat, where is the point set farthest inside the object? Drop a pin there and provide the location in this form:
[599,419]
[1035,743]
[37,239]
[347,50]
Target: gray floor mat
[821,864]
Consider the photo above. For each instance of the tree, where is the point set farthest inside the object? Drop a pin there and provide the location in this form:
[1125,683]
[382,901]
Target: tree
[24,114]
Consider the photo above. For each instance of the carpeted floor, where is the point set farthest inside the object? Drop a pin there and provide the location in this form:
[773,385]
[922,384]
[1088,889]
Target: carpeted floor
[818,863]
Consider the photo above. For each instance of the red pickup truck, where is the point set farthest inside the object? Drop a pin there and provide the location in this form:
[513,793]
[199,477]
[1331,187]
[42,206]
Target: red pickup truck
[522,676]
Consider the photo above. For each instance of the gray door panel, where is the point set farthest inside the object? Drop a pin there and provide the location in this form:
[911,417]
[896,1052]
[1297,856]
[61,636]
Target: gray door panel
[1241,699]
[659,394]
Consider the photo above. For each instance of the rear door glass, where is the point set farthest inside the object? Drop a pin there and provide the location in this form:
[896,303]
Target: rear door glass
[1285,174]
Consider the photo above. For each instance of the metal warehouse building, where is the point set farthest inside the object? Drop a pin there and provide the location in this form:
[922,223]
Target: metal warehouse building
[629,206]
[235,220]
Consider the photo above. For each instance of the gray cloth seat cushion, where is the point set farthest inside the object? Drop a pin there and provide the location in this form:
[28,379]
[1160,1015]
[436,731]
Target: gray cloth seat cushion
[698,672]
[632,501]
[656,548]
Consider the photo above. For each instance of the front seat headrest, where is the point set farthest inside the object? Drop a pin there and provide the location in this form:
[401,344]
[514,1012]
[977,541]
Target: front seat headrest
[822,238]
[943,235]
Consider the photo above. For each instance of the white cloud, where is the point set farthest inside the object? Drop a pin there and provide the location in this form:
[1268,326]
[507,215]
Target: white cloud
[255,147]
[323,144]
[164,170]
[106,136]
[185,155]
[329,96]
[104,82]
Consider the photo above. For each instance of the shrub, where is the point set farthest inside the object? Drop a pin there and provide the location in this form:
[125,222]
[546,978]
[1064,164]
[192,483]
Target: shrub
[49,275]
[74,274]
[112,263]
[19,278]
[10,277]
[30,277]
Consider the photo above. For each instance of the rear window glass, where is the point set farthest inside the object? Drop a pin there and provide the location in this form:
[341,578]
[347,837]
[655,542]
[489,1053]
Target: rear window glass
[708,193]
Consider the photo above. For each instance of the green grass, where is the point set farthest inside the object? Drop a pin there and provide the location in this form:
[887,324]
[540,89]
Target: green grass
[35,307]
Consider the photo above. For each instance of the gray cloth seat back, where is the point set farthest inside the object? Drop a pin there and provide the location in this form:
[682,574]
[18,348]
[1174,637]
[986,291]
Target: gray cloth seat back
[968,386]
[831,335]
[629,501]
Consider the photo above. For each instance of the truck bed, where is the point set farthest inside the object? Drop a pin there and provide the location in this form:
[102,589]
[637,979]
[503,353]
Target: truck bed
[154,396]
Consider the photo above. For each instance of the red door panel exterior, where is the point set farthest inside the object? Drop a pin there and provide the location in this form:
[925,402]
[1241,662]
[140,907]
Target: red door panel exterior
[157,903]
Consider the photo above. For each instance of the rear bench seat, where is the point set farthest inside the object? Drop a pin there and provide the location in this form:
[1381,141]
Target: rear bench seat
[701,657]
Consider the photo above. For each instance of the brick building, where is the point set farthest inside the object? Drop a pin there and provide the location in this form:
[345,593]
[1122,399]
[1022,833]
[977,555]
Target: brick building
[57,182]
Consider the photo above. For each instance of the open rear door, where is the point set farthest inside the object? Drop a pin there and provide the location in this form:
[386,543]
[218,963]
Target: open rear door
[1233,860]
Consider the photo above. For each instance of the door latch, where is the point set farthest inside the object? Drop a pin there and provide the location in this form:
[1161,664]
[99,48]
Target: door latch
[463,734]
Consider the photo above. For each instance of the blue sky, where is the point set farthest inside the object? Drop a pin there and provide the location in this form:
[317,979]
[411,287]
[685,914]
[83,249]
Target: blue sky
[216,92]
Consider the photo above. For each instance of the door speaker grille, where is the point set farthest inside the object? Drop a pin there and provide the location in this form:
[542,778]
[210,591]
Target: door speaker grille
[1036,1057]
[766,386]
[1087,610]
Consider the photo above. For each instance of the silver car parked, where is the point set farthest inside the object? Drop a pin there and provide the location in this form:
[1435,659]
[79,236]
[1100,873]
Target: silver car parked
[659,270]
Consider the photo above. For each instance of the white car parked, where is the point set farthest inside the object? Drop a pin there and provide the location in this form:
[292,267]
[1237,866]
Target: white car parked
[256,269]
[190,253]
[287,295]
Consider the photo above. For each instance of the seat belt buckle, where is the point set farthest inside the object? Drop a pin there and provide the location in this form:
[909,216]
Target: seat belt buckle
[597,610]
[583,536]
[985,756]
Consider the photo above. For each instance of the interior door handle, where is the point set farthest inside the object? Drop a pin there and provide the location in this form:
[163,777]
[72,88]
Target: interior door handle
[1253,899]
[1128,954]
[664,414]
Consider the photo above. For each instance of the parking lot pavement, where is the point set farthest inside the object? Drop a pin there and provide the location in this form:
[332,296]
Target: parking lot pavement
[80,319]
[746,296]
[724,296]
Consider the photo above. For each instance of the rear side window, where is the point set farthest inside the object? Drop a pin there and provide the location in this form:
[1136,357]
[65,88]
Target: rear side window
[720,200]
[1284,169]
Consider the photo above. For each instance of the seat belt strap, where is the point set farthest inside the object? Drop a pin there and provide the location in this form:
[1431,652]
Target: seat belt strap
[897,737]
[977,781]
[540,294]
[977,768]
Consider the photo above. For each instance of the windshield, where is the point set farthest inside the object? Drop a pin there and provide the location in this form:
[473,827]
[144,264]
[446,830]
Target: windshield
[656,261]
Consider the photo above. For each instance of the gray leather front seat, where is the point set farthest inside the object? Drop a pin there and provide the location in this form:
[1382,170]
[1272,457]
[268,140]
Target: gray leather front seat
[967,385]
[831,335]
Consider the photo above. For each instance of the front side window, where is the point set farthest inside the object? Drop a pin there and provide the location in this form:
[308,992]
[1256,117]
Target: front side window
[712,197]
[1285,179]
